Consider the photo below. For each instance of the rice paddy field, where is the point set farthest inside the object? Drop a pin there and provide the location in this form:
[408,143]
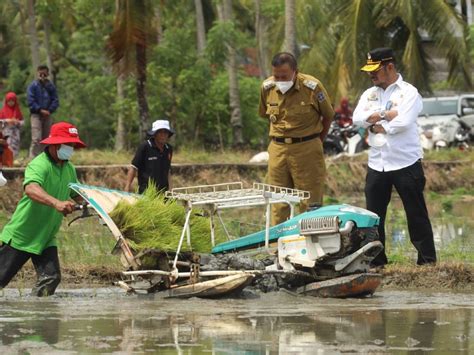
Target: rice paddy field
[86,242]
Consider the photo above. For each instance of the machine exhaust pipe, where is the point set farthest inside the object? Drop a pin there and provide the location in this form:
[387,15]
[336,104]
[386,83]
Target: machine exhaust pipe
[347,228]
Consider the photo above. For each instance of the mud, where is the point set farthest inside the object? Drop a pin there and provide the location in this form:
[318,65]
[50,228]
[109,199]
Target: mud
[444,276]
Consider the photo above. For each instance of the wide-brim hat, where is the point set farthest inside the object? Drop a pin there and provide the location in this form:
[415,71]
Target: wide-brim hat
[160,124]
[376,58]
[64,133]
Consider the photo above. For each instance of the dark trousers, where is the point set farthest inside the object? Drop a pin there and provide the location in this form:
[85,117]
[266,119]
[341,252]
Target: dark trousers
[46,266]
[409,183]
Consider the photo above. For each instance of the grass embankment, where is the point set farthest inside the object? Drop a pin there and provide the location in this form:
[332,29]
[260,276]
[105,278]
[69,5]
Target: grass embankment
[444,276]
[195,155]
[181,155]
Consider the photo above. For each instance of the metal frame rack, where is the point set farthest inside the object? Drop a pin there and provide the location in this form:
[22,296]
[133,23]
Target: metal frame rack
[214,198]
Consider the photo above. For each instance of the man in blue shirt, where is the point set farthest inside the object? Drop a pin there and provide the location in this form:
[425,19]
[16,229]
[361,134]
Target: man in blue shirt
[43,101]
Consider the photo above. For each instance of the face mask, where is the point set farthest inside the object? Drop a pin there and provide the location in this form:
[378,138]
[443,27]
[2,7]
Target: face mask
[284,86]
[65,152]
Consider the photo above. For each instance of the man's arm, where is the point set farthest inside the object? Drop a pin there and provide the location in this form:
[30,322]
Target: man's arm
[323,102]
[262,105]
[54,104]
[365,115]
[132,172]
[37,194]
[326,126]
[406,115]
[31,99]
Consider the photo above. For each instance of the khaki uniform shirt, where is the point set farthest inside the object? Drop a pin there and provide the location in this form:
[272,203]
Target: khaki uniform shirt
[298,112]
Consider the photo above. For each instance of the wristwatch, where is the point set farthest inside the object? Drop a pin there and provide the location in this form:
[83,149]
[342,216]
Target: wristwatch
[382,114]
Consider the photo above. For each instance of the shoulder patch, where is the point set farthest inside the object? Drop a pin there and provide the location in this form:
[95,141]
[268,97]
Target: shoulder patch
[268,84]
[310,84]
[372,96]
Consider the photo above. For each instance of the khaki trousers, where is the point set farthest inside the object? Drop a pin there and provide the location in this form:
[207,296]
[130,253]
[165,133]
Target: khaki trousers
[40,127]
[300,166]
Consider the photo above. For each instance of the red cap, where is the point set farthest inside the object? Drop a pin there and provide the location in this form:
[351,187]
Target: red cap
[63,133]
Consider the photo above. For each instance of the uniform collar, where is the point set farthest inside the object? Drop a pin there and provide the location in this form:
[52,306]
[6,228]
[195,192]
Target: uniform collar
[398,83]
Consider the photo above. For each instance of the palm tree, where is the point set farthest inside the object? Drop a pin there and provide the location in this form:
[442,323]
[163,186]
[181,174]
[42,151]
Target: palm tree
[261,39]
[132,34]
[225,14]
[289,45]
[339,43]
[33,35]
[200,29]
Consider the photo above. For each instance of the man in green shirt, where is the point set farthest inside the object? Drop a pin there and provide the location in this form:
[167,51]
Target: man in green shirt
[31,232]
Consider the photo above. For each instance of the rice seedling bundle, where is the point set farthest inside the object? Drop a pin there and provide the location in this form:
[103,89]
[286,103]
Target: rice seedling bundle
[156,223]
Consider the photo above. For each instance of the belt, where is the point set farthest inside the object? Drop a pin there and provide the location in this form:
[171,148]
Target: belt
[289,140]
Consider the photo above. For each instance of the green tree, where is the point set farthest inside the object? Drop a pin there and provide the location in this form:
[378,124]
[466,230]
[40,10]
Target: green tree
[351,28]
[133,33]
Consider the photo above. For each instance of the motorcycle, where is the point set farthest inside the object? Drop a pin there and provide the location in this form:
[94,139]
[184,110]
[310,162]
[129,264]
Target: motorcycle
[462,136]
[439,137]
[349,139]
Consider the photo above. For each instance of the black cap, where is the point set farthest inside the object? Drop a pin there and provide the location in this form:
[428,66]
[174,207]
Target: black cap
[376,57]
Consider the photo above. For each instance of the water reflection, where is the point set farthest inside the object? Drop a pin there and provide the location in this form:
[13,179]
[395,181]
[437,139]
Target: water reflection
[454,228]
[277,324]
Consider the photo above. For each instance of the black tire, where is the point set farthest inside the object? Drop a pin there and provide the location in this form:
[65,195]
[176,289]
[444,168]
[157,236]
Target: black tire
[331,149]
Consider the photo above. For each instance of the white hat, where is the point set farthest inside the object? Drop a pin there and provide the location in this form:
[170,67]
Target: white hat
[3,181]
[377,140]
[160,124]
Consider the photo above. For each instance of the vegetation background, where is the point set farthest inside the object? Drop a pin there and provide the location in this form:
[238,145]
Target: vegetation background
[120,64]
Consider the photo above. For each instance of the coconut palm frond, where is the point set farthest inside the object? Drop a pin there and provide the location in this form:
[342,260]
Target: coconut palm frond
[450,35]
[403,18]
[132,29]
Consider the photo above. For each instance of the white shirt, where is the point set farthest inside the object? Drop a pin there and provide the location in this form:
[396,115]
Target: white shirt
[402,147]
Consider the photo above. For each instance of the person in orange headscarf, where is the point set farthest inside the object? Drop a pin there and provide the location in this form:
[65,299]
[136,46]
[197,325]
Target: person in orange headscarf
[343,113]
[11,119]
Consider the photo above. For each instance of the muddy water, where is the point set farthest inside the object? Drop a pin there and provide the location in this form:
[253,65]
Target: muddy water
[106,320]
[452,222]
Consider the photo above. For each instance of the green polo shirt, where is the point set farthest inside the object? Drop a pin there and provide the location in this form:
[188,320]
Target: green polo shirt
[33,226]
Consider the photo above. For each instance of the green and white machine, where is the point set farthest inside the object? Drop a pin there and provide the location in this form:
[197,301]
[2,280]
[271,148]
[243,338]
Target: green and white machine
[334,243]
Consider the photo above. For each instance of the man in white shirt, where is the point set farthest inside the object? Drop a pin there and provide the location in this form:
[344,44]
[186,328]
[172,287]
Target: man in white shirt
[389,110]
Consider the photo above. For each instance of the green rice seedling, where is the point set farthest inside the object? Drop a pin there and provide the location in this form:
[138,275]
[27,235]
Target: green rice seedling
[154,222]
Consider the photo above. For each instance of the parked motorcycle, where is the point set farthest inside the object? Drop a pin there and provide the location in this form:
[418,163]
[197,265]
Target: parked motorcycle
[439,137]
[349,139]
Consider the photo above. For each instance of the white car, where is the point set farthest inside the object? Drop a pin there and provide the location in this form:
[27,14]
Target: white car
[440,122]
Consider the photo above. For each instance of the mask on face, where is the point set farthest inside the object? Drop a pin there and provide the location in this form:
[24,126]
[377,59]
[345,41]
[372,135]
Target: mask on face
[65,152]
[284,86]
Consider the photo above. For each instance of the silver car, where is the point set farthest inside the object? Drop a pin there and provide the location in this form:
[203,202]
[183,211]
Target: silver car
[444,121]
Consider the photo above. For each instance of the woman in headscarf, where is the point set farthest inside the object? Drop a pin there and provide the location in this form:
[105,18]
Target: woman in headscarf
[344,113]
[12,118]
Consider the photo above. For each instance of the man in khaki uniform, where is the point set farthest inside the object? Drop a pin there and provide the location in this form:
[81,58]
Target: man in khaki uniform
[300,113]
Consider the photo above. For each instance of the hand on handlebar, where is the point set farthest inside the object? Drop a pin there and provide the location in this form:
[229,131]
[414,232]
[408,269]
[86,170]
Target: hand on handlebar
[65,207]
